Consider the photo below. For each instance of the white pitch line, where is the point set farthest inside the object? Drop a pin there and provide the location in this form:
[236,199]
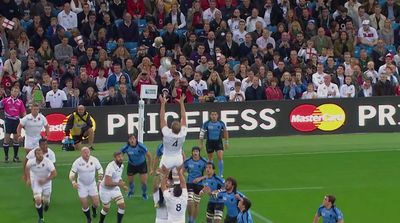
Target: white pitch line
[313,153]
[262,218]
[282,189]
[256,155]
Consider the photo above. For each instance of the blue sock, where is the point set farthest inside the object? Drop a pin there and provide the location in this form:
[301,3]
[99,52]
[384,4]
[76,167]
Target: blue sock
[131,187]
[190,219]
[220,167]
[144,188]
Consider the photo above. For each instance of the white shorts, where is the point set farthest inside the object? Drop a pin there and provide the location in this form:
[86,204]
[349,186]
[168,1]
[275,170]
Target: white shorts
[171,161]
[87,190]
[161,220]
[38,189]
[107,195]
[182,220]
[31,142]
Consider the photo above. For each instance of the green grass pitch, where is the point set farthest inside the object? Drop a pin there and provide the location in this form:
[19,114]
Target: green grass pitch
[285,177]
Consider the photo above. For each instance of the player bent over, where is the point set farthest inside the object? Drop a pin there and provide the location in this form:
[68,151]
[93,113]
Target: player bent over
[158,198]
[176,200]
[195,166]
[212,185]
[86,167]
[216,130]
[43,172]
[174,137]
[139,162]
[110,188]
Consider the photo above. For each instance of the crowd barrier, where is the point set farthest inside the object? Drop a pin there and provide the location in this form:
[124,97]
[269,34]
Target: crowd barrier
[244,119]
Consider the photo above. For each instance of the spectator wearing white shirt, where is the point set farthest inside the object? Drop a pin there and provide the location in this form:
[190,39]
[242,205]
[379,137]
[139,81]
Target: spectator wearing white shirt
[366,89]
[328,89]
[367,35]
[237,95]
[309,93]
[318,77]
[348,90]
[198,85]
[209,14]
[55,98]
[389,61]
[229,83]
[239,35]
[371,72]
[248,81]
[266,38]
[252,20]
[67,18]
[233,22]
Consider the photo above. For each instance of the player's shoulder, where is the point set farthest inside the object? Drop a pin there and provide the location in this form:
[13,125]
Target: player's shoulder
[188,160]
[219,179]
[203,160]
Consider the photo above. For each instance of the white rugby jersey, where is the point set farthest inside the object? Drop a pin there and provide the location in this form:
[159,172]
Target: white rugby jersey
[87,170]
[198,87]
[114,171]
[176,206]
[40,170]
[33,126]
[172,142]
[345,90]
[327,91]
[49,155]
[161,212]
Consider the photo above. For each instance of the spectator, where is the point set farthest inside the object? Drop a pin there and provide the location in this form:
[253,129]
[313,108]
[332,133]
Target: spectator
[90,98]
[342,45]
[83,16]
[383,87]
[209,14]
[111,98]
[63,52]
[83,82]
[237,95]
[229,83]
[114,77]
[170,37]
[126,97]
[386,33]
[328,89]
[391,10]
[366,89]
[367,35]
[136,8]
[230,48]
[263,41]
[143,79]
[348,90]
[176,17]
[90,29]
[254,91]
[239,34]
[55,98]
[214,84]
[273,92]
[273,14]
[13,65]
[377,19]
[67,19]
[128,30]
[198,85]
[310,93]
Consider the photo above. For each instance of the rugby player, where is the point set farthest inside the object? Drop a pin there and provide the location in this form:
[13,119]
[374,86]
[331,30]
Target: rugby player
[328,211]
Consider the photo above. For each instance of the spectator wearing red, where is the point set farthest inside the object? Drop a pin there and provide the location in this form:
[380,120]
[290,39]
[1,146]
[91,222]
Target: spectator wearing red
[180,87]
[136,8]
[143,78]
[92,69]
[273,92]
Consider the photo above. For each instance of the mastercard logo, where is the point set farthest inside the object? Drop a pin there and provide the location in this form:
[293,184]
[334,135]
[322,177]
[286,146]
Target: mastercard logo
[326,117]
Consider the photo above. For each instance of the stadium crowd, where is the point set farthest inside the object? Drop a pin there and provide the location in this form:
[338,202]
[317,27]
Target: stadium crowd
[64,53]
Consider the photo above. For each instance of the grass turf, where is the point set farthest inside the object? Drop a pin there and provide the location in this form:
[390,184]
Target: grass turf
[285,177]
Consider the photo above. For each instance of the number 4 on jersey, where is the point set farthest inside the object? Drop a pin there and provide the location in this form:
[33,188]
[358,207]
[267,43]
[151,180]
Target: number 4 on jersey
[175,143]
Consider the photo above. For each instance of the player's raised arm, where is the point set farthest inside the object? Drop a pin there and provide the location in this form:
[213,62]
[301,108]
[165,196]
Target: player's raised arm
[183,109]
[316,218]
[163,122]
[181,177]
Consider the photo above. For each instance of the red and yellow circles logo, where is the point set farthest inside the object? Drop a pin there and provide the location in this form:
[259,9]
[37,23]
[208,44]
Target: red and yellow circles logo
[326,117]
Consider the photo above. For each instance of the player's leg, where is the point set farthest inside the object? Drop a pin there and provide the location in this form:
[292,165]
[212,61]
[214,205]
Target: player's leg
[105,198]
[210,212]
[130,171]
[197,198]
[85,208]
[210,151]
[47,188]
[94,195]
[220,156]
[143,179]
[121,207]
[218,212]
[190,205]
[37,196]
[28,144]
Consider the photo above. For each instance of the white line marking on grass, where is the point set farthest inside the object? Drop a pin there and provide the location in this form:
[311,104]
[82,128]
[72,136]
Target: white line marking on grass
[282,189]
[312,153]
[262,218]
[251,155]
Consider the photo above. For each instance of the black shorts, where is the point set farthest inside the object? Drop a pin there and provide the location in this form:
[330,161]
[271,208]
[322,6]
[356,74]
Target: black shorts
[212,207]
[79,138]
[11,125]
[230,219]
[140,169]
[214,146]
[195,188]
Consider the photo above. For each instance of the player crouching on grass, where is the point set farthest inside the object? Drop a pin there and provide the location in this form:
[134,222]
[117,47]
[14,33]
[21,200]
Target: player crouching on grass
[80,126]
[86,167]
[139,162]
[195,166]
[40,172]
[110,187]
